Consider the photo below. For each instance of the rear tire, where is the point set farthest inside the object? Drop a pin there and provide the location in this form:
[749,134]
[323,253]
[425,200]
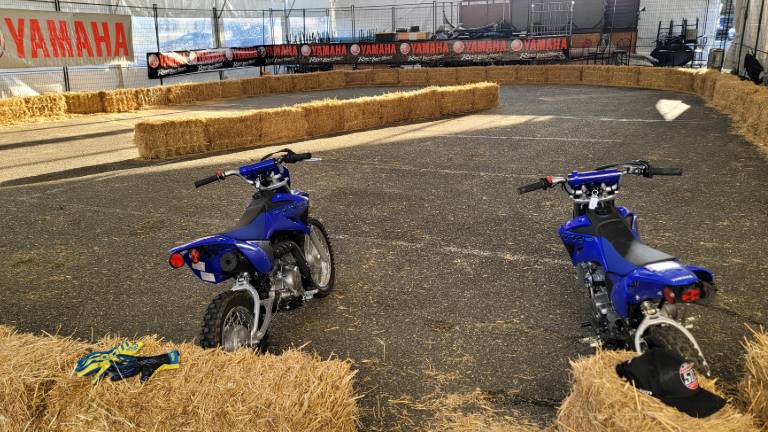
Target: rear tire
[228,320]
[666,337]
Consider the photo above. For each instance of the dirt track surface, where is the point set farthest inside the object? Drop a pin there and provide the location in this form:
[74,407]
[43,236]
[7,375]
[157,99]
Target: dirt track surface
[447,279]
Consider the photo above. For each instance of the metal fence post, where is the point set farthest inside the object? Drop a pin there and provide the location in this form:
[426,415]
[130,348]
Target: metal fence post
[304,25]
[217,36]
[394,20]
[741,42]
[157,32]
[352,11]
[271,27]
[65,70]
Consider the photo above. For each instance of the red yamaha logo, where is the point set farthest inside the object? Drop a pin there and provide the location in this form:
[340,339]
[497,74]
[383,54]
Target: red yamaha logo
[688,376]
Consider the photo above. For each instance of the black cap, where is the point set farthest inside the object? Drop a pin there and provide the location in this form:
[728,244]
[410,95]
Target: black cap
[666,376]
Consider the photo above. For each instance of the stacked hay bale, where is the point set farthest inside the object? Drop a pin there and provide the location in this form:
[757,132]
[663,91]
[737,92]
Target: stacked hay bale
[731,97]
[755,126]
[116,101]
[753,387]
[187,93]
[151,96]
[472,74]
[331,80]
[532,74]
[211,391]
[666,79]
[162,139]
[600,400]
[359,78]
[46,106]
[441,76]
[306,81]
[386,77]
[83,102]
[624,76]
[254,86]
[159,139]
[279,83]
[231,88]
[564,74]
[214,391]
[704,83]
[502,74]
[282,125]
[12,110]
[596,74]
[413,77]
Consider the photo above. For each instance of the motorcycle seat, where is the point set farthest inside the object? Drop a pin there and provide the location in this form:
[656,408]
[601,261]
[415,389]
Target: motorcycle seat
[617,232]
[631,249]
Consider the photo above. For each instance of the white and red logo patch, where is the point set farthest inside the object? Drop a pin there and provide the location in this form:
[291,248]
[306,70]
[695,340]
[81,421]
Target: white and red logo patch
[516,45]
[354,49]
[153,61]
[688,376]
[458,47]
[306,50]
[405,48]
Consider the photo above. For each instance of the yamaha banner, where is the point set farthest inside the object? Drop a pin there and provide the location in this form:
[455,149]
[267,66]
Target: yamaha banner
[464,51]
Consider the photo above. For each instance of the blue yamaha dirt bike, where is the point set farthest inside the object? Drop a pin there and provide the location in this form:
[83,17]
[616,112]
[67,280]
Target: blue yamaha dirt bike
[278,256]
[636,293]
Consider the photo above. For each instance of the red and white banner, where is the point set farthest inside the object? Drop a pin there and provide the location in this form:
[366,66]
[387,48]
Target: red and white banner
[31,38]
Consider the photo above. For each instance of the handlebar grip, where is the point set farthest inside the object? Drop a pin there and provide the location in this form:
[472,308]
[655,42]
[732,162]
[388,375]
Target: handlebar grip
[207,180]
[541,184]
[666,171]
[296,157]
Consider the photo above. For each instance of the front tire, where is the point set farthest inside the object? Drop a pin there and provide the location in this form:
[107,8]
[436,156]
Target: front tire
[228,321]
[319,255]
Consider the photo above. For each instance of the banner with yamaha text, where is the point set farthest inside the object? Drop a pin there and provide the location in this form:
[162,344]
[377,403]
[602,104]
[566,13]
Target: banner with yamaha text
[33,38]
[453,52]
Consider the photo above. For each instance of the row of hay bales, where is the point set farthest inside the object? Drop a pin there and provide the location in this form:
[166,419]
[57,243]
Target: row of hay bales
[211,391]
[160,139]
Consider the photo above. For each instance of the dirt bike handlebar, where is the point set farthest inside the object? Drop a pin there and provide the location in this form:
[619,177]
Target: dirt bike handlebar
[541,184]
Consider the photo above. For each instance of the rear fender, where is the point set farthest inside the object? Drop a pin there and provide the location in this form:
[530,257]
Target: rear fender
[703,274]
[258,253]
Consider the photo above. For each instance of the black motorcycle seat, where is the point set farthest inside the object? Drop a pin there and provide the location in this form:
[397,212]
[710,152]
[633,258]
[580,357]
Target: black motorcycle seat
[617,231]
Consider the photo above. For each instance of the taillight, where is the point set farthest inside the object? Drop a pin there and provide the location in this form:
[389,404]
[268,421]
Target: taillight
[690,295]
[176,260]
[194,256]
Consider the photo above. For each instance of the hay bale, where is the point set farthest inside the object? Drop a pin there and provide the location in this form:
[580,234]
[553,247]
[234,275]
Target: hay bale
[231,88]
[12,111]
[600,400]
[361,113]
[455,100]
[163,139]
[666,79]
[187,93]
[116,101]
[279,83]
[254,86]
[485,96]
[502,74]
[305,82]
[441,76]
[532,74]
[151,96]
[52,105]
[359,78]
[214,391]
[30,368]
[331,80]
[472,412]
[323,117]
[623,76]
[386,77]
[281,125]
[425,104]
[753,387]
[413,77]
[394,108]
[83,102]
[472,74]
[596,74]
[755,126]
[704,84]
[234,130]
[564,74]
[732,98]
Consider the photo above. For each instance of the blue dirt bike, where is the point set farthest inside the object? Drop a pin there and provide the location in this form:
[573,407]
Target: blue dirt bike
[636,293]
[278,256]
